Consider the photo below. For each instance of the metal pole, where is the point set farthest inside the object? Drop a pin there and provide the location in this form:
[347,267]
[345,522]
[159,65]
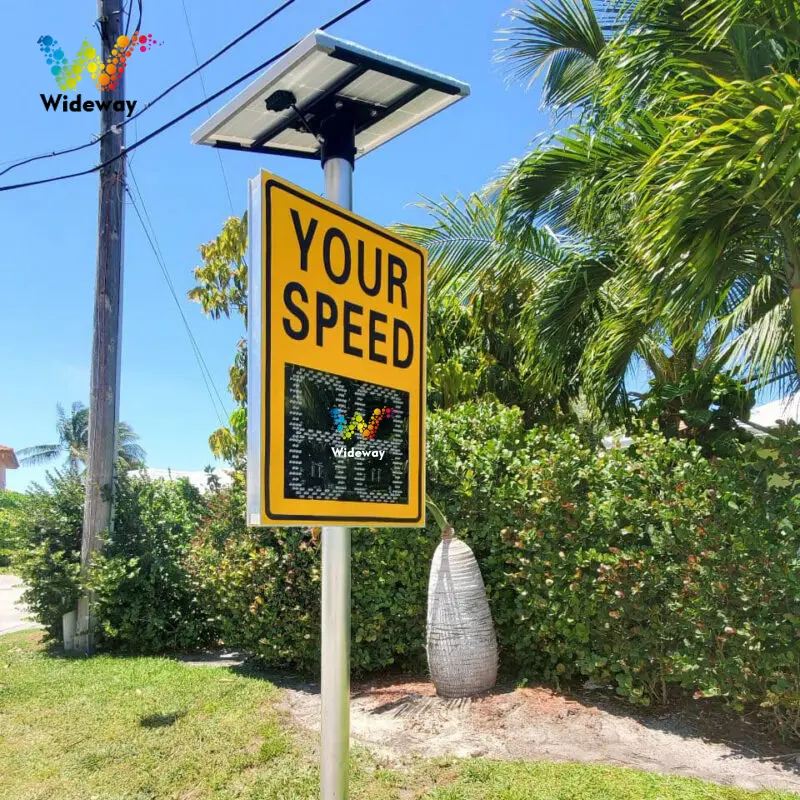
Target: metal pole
[336,593]
[335,662]
[104,392]
[339,182]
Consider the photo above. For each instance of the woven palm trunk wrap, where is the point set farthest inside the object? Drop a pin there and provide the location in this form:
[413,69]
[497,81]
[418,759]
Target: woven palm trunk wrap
[461,643]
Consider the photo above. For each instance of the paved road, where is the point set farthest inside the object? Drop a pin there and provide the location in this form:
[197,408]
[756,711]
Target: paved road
[12,616]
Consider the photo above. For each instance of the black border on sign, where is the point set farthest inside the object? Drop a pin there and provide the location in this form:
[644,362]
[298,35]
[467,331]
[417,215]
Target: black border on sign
[267,328]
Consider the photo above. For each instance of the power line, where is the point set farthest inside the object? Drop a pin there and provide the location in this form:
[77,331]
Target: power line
[42,156]
[156,247]
[274,13]
[138,27]
[128,17]
[205,373]
[205,95]
[186,113]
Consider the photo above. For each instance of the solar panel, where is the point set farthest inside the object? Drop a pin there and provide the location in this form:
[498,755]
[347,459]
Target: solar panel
[388,96]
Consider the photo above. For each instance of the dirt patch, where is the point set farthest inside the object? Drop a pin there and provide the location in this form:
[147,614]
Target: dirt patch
[397,719]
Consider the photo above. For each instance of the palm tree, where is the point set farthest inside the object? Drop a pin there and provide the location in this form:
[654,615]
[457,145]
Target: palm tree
[722,187]
[581,297]
[685,172]
[460,639]
[647,89]
[73,442]
[660,180]
[562,40]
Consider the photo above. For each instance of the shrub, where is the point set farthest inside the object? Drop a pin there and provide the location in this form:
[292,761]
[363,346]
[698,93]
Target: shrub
[263,587]
[647,568]
[642,568]
[12,541]
[50,564]
[145,599]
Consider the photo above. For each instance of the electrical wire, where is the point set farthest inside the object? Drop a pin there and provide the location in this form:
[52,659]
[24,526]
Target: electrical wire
[156,247]
[205,95]
[274,13]
[185,114]
[138,27]
[128,18]
[42,156]
[150,234]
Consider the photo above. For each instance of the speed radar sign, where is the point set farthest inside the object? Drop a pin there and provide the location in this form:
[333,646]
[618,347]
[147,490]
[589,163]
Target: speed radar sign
[336,373]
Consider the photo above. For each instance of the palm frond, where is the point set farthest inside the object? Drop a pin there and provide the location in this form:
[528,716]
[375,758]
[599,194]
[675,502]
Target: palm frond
[713,20]
[467,246]
[611,349]
[757,332]
[577,178]
[564,39]
[131,453]
[556,322]
[38,454]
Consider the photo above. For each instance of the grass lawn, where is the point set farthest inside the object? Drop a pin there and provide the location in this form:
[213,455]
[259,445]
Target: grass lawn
[75,729]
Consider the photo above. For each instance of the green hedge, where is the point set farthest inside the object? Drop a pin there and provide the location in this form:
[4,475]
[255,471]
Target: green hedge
[645,568]
[642,567]
[146,601]
[263,588]
[12,539]
[651,569]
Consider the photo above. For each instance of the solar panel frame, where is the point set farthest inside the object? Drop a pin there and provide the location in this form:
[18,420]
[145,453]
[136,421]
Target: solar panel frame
[387,84]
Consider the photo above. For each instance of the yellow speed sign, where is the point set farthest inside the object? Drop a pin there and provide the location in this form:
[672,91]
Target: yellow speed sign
[336,408]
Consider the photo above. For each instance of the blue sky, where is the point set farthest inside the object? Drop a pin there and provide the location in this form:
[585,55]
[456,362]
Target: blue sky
[47,268]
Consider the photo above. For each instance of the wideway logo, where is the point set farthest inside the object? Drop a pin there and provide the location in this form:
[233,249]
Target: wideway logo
[106,76]
[358,424]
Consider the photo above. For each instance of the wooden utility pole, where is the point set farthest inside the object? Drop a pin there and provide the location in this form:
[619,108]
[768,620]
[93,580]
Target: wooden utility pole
[104,397]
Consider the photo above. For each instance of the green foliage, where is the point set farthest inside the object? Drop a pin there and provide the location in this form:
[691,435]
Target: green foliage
[12,539]
[641,568]
[230,442]
[262,587]
[659,229]
[473,352]
[50,565]
[703,406]
[145,599]
[222,279]
[222,289]
[650,569]
[680,171]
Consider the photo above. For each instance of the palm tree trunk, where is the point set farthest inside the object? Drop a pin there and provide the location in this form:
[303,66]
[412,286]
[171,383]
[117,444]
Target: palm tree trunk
[460,641]
[460,638]
[794,299]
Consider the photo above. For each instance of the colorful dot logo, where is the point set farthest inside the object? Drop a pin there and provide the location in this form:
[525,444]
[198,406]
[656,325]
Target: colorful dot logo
[106,76]
[357,424]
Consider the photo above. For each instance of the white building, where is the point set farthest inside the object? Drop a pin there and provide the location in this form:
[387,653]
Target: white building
[768,414]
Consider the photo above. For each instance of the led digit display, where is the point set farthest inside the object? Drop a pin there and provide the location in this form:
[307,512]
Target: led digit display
[345,439]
